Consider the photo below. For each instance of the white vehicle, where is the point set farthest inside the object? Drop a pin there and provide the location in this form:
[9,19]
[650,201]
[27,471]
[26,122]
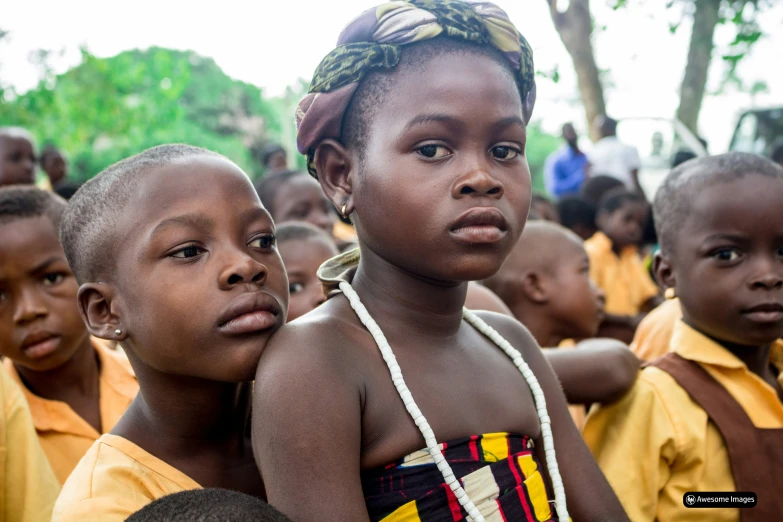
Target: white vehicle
[759,131]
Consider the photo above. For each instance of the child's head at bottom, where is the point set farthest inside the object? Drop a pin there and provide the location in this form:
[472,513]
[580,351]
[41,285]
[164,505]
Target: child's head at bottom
[304,248]
[546,279]
[40,325]
[176,259]
[720,226]
[207,505]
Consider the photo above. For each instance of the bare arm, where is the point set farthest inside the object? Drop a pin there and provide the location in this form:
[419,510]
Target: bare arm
[307,429]
[598,370]
[588,494]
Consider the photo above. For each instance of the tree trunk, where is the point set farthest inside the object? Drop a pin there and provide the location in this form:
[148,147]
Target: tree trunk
[574,25]
[705,18]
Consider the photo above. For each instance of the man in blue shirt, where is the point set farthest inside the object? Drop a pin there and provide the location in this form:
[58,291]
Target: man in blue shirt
[564,170]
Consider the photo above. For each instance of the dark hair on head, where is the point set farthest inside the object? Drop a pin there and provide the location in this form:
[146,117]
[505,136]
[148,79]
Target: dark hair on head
[48,150]
[606,125]
[373,89]
[675,196]
[207,505]
[23,201]
[575,210]
[596,186]
[540,198]
[299,230]
[616,198]
[88,225]
[270,150]
[67,189]
[268,187]
[681,156]
[777,154]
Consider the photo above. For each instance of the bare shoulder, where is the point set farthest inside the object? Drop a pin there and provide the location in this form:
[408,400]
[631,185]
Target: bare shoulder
[514,332]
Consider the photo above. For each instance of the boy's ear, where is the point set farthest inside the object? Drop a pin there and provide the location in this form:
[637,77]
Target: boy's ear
[664,271]
[534,287]
[95,306]
[335,172]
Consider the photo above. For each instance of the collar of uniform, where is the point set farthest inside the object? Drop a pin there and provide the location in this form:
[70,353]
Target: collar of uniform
[601,242]
[340,268]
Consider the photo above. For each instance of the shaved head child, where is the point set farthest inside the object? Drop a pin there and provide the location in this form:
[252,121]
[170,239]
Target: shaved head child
[615,264]
[208,505]
[303,249]
[708,415]
[17,157]
[76,387]
[390,400]
[176,259]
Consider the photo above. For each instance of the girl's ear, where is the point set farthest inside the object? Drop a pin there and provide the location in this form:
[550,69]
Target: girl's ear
[334,165]
[95,306]
[664,272]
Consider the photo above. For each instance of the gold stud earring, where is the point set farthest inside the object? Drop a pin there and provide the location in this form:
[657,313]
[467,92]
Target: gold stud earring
[342,210]
[117,332]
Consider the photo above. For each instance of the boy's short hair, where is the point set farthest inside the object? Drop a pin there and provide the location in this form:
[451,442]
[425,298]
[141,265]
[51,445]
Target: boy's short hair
[268,187]
[270,150]
[87,228]
[575,210]
[616,198]
[21,202]
[596,186]
[207,505]
[299,231]
[16,132]
[674,197]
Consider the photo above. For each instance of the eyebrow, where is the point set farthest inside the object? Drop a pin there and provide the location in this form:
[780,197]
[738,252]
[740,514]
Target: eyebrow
[737,238]
[423,119]
[191,220]
[40,267]
[508,122]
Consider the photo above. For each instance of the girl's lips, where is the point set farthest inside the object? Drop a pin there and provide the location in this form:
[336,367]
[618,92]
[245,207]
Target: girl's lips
[42,348]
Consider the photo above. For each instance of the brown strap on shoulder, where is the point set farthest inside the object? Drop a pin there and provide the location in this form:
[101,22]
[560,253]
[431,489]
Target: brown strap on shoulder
[755,454]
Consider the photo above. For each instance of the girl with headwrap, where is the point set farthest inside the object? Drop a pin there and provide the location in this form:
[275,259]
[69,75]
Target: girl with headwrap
[390,401]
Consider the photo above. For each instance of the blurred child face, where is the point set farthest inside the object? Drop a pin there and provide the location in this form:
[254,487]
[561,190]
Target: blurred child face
[625,225]
[444,187]
[576,304]
[301,199]
[200,284]
[546,211]
[301,258]
[55,166]
[40,325]
[727,263]
[277,161]
[17,161]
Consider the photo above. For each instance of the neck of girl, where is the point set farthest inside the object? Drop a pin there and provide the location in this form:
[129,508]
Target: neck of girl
[78,375]
[396,297]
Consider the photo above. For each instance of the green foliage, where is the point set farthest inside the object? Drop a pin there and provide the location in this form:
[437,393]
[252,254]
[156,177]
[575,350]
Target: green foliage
[106,109]
[539,146]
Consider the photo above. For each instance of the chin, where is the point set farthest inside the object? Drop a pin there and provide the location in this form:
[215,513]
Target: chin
[475,267]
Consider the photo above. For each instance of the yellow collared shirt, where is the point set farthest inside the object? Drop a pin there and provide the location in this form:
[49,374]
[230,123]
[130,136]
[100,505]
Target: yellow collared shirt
[28,487]
[654,335]
[623,278]
[64,435]
[655,444]
[115,479]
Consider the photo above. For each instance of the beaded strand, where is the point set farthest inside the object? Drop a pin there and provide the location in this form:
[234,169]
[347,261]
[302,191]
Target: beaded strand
[424,426]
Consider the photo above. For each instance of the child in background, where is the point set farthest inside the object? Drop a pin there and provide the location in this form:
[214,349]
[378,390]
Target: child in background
[615,265]
[76,387]
[303,248]
[708,416]
[191,284]
[208,505]
[546,284]
[578,214]
[17,157]
[274,158]
[416,128]
[596,186]
[544,209]
[28,487]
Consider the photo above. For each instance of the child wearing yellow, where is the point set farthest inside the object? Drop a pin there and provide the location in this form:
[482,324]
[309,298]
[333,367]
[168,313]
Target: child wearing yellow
[192,285]
[615,265]
[708,416]
[76,387]
[28,487]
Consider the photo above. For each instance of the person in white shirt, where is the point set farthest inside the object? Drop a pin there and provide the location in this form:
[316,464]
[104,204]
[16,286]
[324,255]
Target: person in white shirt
[611,157]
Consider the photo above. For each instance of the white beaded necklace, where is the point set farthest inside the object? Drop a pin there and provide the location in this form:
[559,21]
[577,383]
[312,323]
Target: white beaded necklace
[424,426]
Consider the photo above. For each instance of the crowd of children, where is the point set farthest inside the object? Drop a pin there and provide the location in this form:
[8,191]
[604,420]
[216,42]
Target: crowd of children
[347,343]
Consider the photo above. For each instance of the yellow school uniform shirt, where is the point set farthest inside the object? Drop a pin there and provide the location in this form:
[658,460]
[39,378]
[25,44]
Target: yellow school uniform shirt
[654,333]
[28,487]
[64,435]
[655,444]
[115,479]
[623,278]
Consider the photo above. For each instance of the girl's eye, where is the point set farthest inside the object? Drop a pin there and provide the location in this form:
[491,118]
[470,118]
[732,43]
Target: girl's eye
[726,254]
[265,241]
[433,151]
[295,288]
[188,252]
[504,153]
[53,278]
[3,296]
